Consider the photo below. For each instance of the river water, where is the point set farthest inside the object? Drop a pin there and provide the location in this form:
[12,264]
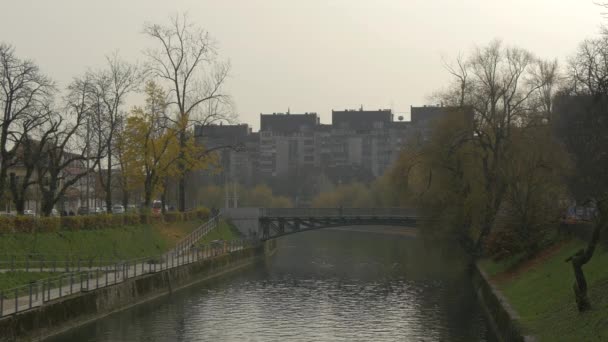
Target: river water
[328,285]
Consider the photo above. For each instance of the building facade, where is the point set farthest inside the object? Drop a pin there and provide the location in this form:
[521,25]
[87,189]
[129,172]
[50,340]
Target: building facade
[291,151]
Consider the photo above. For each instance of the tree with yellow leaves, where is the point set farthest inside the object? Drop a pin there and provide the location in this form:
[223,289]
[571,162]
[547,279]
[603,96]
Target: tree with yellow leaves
[150,143]
[153,146]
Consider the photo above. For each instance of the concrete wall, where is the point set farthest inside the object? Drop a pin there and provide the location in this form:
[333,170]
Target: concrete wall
[70,312]
[502,318]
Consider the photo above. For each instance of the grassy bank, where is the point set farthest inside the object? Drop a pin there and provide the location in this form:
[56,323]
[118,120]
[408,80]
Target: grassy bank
[125,242]
[225,231]
[540,290]
[13,279]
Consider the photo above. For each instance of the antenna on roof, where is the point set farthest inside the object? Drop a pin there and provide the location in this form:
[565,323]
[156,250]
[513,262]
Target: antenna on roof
[287,110]
[361,108]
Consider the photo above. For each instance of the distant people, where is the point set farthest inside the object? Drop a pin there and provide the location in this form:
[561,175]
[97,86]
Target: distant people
[71,213]
[64,213]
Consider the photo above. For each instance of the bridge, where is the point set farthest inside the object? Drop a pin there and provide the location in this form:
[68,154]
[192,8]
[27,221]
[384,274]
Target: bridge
[277,222]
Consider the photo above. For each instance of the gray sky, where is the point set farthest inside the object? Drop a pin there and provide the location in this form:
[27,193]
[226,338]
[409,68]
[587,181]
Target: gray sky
[309,55]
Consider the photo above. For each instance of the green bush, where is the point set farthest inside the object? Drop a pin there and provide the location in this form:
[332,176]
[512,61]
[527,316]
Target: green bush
[72,223]
[174,216]
[131,219]
[117,220]
[6,224]
[150,218]
[203,213]
[190,215]
[49,224]
[25,224]
[93,222]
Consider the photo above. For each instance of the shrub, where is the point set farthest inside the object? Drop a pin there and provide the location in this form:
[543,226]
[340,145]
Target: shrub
[25,224]
[6,224]
[131,219]
[93,222]
[49,224]
[173,216]
[146,218]
[105,221]
[72,223]
[203,213]
[117,220]
[190,215]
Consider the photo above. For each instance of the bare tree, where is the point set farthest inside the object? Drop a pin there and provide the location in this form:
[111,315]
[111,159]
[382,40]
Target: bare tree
[24,90]
[186,60]
[111,86]
[67,151]
[29,149]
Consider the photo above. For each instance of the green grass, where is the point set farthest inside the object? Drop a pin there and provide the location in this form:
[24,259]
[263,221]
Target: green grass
[13,279]
[125,242]
[543,296]
[493,268]
[225,231]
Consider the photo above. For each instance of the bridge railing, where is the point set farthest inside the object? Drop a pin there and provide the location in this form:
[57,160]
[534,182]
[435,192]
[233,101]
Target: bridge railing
[337,212]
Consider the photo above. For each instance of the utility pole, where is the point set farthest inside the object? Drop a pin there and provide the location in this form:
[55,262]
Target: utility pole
[88,167]
[236,199]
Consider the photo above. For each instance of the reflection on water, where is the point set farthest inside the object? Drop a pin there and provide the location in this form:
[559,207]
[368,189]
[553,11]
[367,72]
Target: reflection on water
[319,286]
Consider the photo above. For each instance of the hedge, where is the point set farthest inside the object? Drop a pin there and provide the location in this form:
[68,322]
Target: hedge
[24,224]
[6,224]
[131,219]
[48,224]
[29,224]
[73,223]
[173,216]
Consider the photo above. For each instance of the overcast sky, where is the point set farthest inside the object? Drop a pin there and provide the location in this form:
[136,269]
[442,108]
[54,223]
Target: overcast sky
[308,55]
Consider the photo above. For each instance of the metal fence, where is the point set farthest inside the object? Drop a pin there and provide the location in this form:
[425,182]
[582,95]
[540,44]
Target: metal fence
[187,242]
[39,292]
[337,212]
[70,262]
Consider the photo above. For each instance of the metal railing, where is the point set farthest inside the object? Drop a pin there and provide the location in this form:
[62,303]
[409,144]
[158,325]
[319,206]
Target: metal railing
[32,262]
[39,292]
[191,239]
[337,212]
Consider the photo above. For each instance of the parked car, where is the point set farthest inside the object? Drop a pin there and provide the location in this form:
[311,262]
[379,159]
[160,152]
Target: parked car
[29,212]
[54,212]
[85,211]
[157,207]
[88,211]
[118,209]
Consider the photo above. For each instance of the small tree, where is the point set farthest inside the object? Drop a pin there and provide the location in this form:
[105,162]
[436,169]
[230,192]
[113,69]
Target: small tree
[151,144]
[110,87]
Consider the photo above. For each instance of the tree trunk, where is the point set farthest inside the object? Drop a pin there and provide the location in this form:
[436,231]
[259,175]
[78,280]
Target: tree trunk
[582,257]
[125,198]
[109,185]
[181,187]
[147,198]
[163,198]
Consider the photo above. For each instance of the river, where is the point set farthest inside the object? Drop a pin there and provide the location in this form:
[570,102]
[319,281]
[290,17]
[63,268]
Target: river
[328,285]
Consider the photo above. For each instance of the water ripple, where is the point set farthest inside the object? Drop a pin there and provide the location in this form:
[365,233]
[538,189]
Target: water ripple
[352,292]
